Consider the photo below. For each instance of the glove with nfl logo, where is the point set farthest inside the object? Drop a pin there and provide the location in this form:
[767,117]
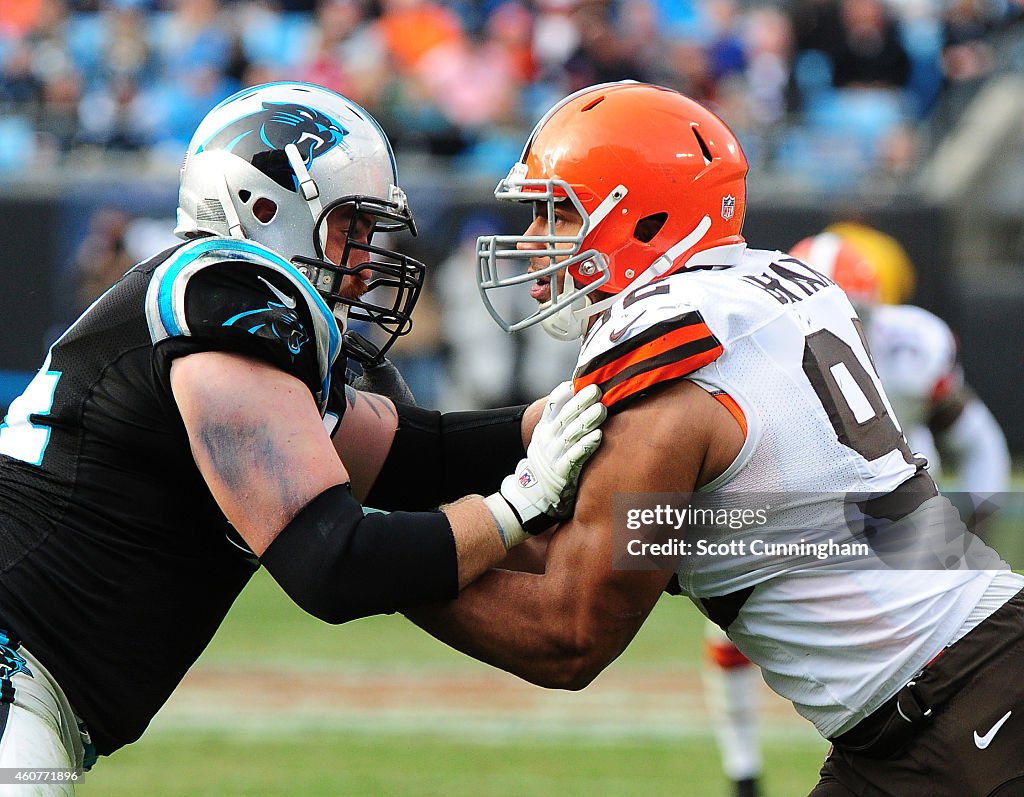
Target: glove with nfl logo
[543,488]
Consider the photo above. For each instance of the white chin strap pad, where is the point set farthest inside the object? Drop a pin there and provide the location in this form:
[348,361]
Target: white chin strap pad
[340,312]
[568,323]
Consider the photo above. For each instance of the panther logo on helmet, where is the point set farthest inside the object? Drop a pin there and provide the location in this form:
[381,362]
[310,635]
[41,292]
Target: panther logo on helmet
[257,137]
[273,164]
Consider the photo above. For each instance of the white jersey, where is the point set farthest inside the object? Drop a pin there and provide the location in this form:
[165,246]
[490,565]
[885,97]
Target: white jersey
[915,354]
[780,346]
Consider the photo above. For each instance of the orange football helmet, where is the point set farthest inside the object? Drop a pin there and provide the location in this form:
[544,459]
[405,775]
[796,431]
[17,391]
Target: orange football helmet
[657,178]
[843,262]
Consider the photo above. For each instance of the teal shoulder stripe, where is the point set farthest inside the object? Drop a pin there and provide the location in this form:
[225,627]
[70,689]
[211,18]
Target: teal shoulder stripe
[238,247]
[187,259]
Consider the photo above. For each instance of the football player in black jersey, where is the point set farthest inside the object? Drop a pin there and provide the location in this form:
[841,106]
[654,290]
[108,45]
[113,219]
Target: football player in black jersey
[186,429]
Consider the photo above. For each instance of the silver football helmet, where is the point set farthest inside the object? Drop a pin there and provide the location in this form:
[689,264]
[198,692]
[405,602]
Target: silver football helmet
[273,162]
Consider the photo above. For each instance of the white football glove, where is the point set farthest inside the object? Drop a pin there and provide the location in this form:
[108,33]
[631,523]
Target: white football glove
[543,488]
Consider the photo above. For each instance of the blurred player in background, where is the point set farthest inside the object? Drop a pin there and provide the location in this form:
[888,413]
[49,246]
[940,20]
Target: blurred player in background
[186,430]
[916,356]
[732,374]
[894,271]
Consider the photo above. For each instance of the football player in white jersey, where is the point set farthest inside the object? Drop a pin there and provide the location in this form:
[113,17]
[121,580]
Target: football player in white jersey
[916,356]
[731,375]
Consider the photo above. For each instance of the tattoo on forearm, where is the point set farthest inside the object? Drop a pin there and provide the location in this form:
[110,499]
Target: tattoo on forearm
[378,405]
[381,406]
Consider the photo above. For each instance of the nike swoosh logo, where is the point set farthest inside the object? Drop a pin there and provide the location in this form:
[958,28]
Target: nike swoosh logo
[286,300]
[615,334]
[981,742]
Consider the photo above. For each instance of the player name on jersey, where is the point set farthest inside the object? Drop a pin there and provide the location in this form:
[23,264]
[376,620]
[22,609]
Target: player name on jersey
[776,277]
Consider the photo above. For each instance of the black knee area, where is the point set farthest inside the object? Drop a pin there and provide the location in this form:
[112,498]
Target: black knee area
[338,564]
[438,457]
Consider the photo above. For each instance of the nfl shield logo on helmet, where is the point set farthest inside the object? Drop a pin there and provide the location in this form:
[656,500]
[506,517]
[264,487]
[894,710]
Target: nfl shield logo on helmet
[526,479]
[728,206]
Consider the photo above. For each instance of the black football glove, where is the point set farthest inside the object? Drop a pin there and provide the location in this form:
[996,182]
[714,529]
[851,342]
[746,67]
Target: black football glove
[379,374]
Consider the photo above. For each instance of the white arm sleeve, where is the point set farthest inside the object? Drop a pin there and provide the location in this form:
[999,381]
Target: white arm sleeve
[922,444]
[980,448]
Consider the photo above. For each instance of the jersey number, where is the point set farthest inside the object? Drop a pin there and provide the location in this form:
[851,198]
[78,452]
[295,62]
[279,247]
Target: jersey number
[19,437]
[850,398]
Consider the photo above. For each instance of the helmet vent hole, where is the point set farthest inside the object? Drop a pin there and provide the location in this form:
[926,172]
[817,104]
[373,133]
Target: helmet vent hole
[244,195]
[264,210]
[703,146]
[593,104]
[649,226]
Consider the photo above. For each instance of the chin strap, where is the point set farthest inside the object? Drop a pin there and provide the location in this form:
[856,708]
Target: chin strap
[309,191]
[570,322]
[661,266]
[340,313]
[307,185]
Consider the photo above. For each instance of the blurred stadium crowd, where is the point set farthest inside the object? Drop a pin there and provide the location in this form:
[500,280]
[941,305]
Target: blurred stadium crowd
[830,91]
[833,96]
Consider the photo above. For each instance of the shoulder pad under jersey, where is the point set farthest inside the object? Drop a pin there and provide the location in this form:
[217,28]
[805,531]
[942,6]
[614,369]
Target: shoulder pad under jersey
[233,294]
[648,337]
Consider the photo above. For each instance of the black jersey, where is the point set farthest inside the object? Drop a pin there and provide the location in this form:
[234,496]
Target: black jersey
[116,565]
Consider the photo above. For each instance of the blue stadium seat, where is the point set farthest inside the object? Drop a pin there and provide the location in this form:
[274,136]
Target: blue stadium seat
[17,143]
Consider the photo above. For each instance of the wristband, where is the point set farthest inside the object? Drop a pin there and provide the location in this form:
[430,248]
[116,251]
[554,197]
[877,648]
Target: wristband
[509,528]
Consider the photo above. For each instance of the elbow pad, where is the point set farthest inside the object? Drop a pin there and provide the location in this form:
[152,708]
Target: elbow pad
[338,564]
[436,458]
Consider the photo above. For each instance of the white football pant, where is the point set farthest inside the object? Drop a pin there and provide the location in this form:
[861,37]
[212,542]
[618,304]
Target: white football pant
[41,734]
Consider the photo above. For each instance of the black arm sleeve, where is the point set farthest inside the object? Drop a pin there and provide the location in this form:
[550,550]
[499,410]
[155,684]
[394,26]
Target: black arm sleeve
[438,457]
[338,564]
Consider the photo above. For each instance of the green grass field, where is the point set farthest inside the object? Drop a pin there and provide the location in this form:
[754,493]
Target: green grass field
[222,764]
[281,704]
